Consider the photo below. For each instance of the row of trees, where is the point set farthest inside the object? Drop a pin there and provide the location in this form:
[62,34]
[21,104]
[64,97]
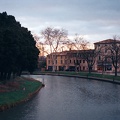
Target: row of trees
[17,48]
[56,40]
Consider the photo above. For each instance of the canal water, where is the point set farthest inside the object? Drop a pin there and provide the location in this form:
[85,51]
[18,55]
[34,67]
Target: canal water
[68,98]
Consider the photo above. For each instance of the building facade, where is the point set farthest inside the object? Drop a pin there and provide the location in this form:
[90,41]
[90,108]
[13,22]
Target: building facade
[67,61]
[107,48]
[72,60]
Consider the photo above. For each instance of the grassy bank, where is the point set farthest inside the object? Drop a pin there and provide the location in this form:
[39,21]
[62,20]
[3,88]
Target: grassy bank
[82,74]
[17,91]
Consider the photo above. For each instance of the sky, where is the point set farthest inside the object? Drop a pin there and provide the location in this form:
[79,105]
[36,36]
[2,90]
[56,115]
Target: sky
[96,20]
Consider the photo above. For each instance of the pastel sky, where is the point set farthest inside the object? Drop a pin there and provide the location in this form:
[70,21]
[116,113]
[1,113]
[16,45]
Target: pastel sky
[95,19]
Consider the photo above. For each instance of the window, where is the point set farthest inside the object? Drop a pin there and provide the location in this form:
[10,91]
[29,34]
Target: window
[55,56]
[83,67]
[49,56]
[74,61]
[61,62]
[48,61]
[74,55]
[83,61]
[80,61]
[70,61]
[65,61]
[99,58]
[77,62]
[109,67]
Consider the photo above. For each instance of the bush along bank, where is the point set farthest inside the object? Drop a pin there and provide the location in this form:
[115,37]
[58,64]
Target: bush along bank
[18,91]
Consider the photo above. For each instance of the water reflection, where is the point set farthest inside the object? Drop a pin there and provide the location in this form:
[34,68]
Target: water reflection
[65,98]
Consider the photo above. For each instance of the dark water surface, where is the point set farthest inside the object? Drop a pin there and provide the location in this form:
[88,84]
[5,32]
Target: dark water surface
[65,98]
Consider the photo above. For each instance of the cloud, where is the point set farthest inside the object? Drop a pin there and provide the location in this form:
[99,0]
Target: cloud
[93,18]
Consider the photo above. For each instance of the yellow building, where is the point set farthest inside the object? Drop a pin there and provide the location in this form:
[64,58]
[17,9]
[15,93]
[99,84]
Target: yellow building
[67,60]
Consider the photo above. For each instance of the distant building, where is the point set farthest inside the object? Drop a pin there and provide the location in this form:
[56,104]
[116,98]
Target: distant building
[67,61]
[103,62]
[72,60]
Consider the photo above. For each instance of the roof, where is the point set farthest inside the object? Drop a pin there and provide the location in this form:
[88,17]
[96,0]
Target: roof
[107,41]
[70,52]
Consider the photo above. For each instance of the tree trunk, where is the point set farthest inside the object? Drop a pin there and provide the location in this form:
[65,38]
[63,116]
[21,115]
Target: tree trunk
[75,68]
[89,70]
[1,76]
[5,75]
[115,71]
[8,75]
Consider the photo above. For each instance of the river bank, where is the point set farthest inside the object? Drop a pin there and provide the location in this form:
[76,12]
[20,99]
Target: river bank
[18,91]
[91,76]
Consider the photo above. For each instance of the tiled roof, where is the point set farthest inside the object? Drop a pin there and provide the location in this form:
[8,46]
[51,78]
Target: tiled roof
[107,41]
[70,52]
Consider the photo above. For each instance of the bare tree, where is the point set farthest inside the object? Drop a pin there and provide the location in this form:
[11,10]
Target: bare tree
[81,45]
[54,39]
[70,45]
[41,45]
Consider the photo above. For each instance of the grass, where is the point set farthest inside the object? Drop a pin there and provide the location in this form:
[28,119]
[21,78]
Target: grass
[18,91]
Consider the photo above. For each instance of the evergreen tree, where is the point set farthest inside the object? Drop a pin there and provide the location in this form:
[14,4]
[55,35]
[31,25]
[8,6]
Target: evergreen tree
[17,48]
